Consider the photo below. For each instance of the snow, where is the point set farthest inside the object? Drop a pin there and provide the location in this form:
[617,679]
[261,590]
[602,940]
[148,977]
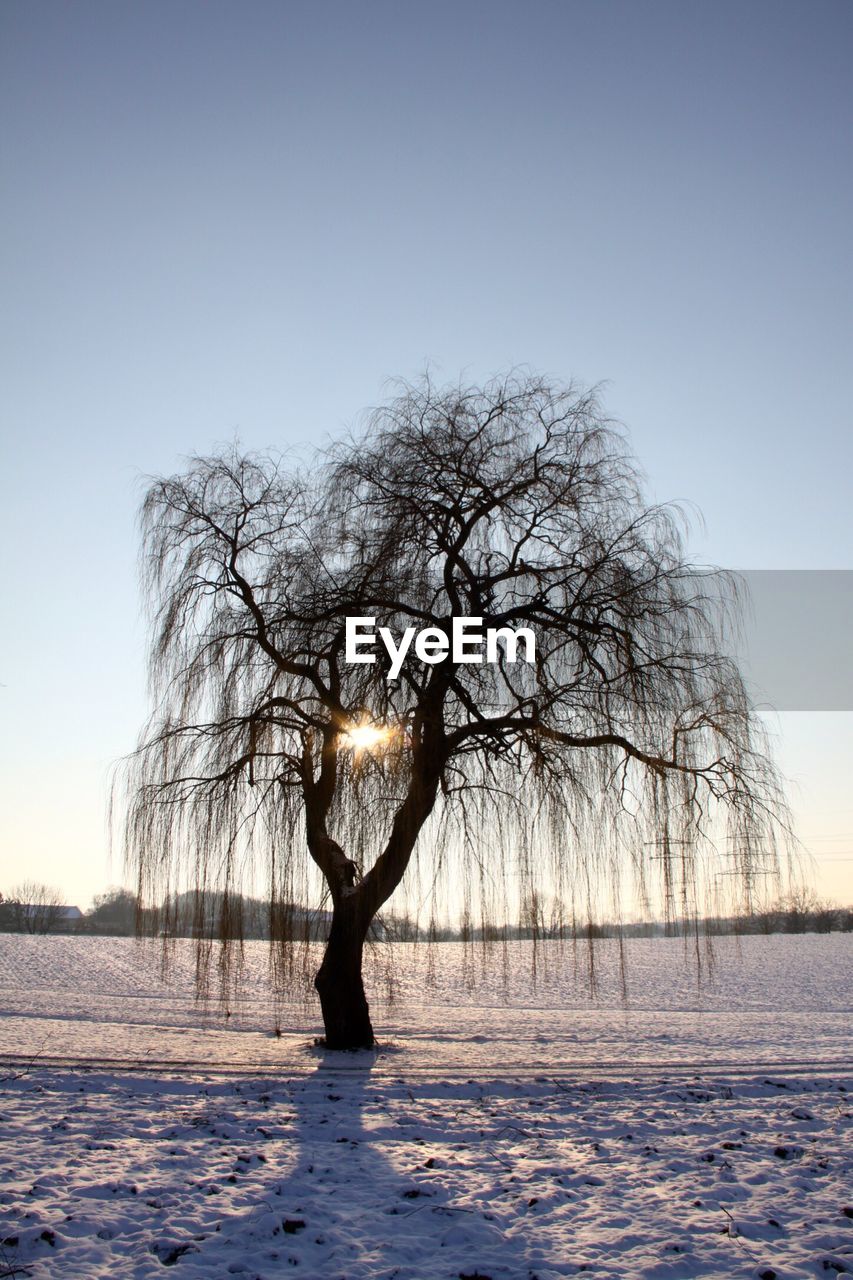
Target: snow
[499,1130]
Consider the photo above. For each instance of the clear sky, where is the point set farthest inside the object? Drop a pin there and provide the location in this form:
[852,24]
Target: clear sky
[226,219]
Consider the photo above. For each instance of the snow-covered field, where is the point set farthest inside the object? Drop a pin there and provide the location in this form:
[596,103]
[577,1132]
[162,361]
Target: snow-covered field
[502,1129]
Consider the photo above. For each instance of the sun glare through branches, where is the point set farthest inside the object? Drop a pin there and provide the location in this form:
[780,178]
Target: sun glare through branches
[367,737]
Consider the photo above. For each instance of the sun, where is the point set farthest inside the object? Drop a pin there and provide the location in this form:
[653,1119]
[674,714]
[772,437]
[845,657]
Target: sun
[367,737]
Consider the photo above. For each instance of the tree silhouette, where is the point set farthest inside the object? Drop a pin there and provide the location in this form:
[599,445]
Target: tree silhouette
[518,504]
[33,908]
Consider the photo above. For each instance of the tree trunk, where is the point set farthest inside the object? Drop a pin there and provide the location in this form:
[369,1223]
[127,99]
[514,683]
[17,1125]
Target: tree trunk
[346,1015]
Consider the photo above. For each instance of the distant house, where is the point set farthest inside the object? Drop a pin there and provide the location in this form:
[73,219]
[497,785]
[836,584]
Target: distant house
[59,912]
[68,917]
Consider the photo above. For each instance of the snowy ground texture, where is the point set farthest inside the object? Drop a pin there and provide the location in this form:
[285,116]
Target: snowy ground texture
[498,1131]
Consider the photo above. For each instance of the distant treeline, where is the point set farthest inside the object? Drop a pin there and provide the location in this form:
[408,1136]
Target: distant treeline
[797,913]
[116,913]
[189,915]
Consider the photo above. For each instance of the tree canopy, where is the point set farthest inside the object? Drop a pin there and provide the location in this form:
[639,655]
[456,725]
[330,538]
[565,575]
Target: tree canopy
[628,743]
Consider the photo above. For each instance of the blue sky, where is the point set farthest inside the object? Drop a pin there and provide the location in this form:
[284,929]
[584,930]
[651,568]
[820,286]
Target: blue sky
[226,219]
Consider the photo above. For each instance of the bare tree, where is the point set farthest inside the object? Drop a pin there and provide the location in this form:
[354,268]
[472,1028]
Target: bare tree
[114,911]
[628,741]
[825,916]
[798,908]
[34,908]
[802,911]
[769,920]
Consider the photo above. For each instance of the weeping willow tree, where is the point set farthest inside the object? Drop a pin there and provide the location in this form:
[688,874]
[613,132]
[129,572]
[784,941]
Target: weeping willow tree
[628,741]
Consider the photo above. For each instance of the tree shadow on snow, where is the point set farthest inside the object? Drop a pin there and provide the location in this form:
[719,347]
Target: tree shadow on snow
[379,1183]
[353,1176]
